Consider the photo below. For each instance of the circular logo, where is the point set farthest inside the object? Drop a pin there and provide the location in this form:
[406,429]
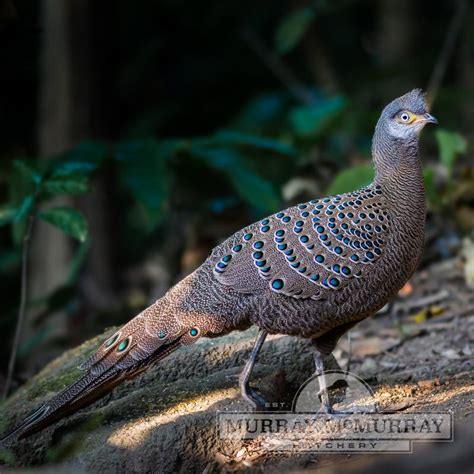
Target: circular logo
[343,391]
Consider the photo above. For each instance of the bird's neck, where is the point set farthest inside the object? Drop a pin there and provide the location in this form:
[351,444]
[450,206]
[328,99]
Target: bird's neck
[398,170]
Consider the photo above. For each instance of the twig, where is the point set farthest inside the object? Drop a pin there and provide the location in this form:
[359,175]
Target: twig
[22,310]
[446,51]
[404,307]
[278,68]
[349,351]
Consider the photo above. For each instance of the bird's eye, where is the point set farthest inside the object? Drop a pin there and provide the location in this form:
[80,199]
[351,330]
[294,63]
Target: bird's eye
[405,117]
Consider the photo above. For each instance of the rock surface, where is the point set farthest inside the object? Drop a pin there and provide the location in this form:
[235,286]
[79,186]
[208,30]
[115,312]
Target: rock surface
[165,420]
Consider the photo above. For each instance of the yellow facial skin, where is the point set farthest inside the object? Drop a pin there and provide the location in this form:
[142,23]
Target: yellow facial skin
[406,117]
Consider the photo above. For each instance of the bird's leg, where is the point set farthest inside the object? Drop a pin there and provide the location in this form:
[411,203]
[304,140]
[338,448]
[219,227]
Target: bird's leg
[319,363]
[249,393]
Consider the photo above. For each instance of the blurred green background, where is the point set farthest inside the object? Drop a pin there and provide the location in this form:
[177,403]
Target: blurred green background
[135,136]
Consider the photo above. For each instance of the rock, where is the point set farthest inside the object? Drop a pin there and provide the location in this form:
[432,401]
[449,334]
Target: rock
[162,421]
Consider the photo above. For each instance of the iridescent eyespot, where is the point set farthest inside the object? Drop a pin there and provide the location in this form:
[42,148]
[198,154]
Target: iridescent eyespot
[277,284]
[123,345]
[111,340]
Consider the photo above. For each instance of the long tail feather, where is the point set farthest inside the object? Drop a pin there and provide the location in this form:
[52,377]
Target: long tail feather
[128,352]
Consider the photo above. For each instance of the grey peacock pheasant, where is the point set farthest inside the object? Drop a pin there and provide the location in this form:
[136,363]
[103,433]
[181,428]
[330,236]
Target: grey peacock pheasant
[313,270]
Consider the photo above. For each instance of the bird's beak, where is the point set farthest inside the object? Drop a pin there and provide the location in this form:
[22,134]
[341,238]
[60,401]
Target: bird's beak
[427,118]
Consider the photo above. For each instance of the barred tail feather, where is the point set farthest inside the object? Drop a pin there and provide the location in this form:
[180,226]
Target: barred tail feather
[123,356]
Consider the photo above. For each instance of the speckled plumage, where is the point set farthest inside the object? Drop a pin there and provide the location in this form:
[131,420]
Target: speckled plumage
[313,270]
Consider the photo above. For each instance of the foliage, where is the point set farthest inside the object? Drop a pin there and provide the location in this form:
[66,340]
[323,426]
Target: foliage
[451,145]
[292,28]
[352,178]
[31,188]
[204,127]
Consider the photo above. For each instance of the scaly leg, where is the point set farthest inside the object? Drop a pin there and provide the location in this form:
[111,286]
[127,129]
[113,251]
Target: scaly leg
[249,393]
[319,363]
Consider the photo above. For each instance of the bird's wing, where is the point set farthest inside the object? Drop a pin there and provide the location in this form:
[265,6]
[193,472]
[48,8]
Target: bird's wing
[311,249]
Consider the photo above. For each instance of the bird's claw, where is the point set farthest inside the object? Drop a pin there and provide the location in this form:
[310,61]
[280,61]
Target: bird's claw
[256,399]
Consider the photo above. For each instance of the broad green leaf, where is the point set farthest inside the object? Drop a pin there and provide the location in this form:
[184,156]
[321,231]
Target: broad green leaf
[229,137]
[143,170]
[261,113]
[25,208]
[67,219]
[451,144]
[7,214]
[292,29]
[312,120]
[251,187]
[66,185]
[83,159]
[27,171]
[351,179]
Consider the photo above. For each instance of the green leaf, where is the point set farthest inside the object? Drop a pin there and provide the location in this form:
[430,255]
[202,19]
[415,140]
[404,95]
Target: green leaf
[81,160]
[27,171]
[25,208]
[451,145]
[351,179]
[66,185]
[229,137]
[254,189]
[143,171]
[312,120]
[292,29]
[261,113]
[7,214]
[20,190]
[67,219]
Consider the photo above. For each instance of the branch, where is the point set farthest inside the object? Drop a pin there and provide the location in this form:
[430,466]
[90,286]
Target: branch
[22,310]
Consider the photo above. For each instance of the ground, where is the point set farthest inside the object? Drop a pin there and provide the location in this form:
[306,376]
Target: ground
[416,356]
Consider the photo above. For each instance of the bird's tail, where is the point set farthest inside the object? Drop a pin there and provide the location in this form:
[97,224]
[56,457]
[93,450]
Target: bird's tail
[146,339]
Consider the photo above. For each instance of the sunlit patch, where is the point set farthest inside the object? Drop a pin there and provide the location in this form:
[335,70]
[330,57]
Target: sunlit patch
[133,434]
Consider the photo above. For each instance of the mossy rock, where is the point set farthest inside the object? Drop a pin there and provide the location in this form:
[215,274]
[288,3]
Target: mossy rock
[166,417]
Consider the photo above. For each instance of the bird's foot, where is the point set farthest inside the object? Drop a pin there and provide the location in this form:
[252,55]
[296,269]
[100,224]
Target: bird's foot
[256,399]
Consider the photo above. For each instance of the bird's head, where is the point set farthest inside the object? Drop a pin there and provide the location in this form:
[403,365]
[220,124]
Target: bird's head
[405,117]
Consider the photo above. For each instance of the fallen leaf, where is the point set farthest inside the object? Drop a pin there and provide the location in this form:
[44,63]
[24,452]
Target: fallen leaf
[427,313]
[406,290]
